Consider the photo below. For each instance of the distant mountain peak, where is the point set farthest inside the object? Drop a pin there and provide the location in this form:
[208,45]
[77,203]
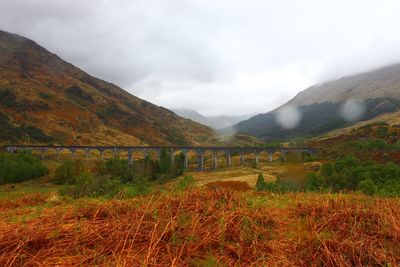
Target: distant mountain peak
[216,122]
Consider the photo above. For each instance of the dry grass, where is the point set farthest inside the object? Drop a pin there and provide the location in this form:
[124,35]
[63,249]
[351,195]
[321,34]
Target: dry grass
[229,185]
[352,232]
[29,200]
[207,226]
[160,230]
[291,170]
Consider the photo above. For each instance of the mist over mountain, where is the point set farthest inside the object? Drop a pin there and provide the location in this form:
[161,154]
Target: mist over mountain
[216,122]
[331,105]
[380,83]
[44,99]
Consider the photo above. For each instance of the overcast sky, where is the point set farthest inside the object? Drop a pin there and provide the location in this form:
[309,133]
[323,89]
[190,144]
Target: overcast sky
[214,56]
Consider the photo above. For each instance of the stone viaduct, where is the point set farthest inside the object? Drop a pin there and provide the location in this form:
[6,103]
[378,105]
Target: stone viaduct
[200,151]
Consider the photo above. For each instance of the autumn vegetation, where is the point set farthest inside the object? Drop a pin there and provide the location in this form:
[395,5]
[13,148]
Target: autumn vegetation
[209,226]
[344,211]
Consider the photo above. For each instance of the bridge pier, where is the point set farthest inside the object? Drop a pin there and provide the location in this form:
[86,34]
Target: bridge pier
[270,156]
[42,152]
[11,149]
[87,153]
[284,158]
[214,160]
[130,157]
[200,160]
[73,153]
[241,158]
[172,153]
[185,164]
[257,155]
[58,151]
[116,153]
[228,159]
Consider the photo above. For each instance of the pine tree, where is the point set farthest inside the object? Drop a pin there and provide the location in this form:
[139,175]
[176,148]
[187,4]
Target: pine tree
[261,184]
[165,162]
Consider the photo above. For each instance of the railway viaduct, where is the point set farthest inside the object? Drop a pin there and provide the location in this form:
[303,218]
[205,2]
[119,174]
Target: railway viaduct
[200,151]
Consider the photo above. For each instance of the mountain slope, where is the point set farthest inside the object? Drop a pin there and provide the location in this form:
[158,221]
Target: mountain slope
[380,83]
[320,107]
[216,122]
[391,119]
[44,99]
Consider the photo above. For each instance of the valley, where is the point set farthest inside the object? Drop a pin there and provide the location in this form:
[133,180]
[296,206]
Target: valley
[95,170]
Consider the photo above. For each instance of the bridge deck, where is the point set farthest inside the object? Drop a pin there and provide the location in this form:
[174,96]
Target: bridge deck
[165,147]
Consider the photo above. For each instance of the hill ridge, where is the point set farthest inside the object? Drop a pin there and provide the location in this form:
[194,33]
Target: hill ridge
[46,99]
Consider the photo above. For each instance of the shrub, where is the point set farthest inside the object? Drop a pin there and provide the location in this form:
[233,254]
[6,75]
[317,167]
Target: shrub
[282,186]
[64,173]
[185,183]
[67,172]
[286,185]
[8,98]
[148,168]
[382,131]
[87,185]
[368,187]
[377,144]
[327,169]
[390,188]
[8,131]
[76,93]
[37,134]
[119,169]
[396,145]
[107,178]
[261,184]
[165,162]
[179,166]
[165,169]
[352,174]
[271,187]
[136,189]
[45,96]
[314,182]
[307,157]
[20,167]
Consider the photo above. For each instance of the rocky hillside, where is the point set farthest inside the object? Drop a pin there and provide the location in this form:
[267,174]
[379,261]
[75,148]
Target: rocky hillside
[320,108]
[44,99]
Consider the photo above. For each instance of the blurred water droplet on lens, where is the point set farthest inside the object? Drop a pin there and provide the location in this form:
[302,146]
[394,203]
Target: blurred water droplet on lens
[352,110]
[288,117]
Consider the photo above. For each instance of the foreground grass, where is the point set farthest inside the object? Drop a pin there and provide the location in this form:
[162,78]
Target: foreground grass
[211,226]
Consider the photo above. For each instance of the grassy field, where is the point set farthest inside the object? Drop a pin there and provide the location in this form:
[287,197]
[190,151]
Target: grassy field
[223,225]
